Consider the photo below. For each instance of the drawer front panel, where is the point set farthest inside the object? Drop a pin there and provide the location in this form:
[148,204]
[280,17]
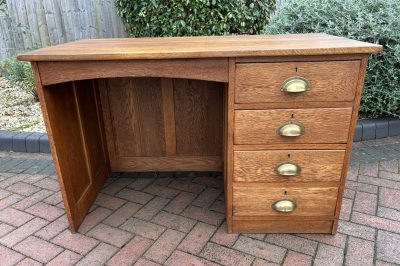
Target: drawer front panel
[313,165]
[321,125]
[328,81]
[253,199]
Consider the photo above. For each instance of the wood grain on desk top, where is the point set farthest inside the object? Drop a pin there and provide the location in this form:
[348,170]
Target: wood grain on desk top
[200,47]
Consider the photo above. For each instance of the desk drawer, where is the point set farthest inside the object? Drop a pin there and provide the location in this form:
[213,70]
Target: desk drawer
[328,81]
[319,125]
[254,199]
[282,165]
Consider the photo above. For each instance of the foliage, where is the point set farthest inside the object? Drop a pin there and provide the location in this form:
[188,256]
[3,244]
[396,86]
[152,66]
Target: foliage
[20,74]
[375,21]
[194,17]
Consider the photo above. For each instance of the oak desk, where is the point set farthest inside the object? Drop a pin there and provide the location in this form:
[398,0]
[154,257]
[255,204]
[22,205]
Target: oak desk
[276,114]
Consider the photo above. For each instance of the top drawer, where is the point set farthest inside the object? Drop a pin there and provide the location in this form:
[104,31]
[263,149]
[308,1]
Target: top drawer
[328,81]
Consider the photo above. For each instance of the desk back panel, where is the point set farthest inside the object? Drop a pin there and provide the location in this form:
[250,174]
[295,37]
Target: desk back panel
[163,124]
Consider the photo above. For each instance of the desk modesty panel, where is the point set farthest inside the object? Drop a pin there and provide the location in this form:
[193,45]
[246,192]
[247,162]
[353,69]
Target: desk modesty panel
[276,114]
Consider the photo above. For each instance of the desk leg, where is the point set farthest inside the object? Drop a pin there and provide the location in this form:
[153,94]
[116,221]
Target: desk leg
[71,114]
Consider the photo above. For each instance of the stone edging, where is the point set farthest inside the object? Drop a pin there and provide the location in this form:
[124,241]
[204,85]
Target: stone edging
[366,129]
[369,129]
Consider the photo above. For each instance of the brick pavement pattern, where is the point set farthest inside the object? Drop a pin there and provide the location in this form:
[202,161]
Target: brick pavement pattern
[180,220]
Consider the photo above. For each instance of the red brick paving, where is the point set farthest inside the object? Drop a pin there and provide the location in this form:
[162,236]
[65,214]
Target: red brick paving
[181,221]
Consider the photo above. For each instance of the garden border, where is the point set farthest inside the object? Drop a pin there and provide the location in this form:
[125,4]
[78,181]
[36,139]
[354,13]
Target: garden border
[366,129]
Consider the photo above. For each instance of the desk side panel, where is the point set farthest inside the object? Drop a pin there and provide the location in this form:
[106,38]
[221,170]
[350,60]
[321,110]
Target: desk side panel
[71,116]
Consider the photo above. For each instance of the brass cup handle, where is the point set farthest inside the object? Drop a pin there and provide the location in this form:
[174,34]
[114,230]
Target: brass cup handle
[291,129]
[288,169]
[295,85]
[284,205]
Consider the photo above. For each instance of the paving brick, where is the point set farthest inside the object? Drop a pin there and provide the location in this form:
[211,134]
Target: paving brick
[94,218]
[131,252]
[389,175]
[99,255]
[377,222]
[352,173]
[225,256]
[134,196]
[388,247]
[143,228]
[186,185]
[174,221]
[349,194]
[207,197]
[76,242]
[5,229]
[141,182]
[328,255]
[260,249]
[109,202]
[8,201]
[28,262]
[110,235]
[293,242]
[222,237]
[365,202]
[14,217]
[389,166]
[379,182]
[383,263]
[23,189]
[9,257]
[164,246]
[6,140]
[117,186]
[356,230]
[182,258]
[122,214]
[53,229]
[151,208]
[162,191]
[345,211]
[144,262]
[48,183]
[32,200]
[23,232]
[389,213]
[197,238]
[359,252]
[180,202]
[203,215]
[210,181]
[297,259]
[337,240]
[367,188]
[15,179]
[31,245]
[54,199]
[370,169]
[45,211]
[389,198]
[218,206]
[33,178]
[65,258]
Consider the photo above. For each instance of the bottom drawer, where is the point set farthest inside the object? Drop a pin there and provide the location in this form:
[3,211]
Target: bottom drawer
[261,226]
[255,199]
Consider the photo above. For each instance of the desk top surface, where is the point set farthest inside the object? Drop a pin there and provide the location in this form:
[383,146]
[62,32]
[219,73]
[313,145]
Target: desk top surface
[200,47]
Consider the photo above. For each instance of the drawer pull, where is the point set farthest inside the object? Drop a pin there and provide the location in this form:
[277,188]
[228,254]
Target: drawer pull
[291,129]
[284,205]
[295,85]
[288,169]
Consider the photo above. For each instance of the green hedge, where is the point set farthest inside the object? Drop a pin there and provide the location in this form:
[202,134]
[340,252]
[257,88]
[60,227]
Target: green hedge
[375,21]
[153,18]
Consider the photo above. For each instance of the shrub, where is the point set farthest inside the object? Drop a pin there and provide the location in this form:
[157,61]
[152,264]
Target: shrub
[20,74]
[194,17]
[375,21]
